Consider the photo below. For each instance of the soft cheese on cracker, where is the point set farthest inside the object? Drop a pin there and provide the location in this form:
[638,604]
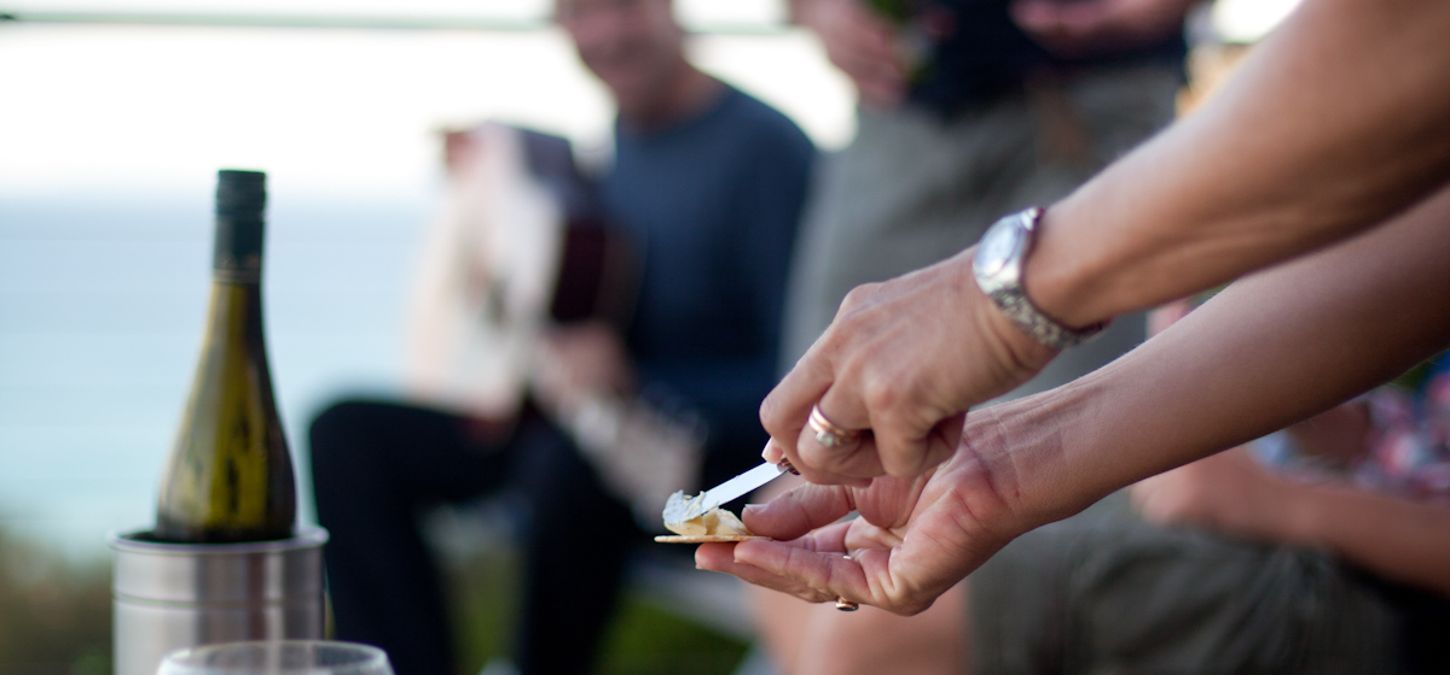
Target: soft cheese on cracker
[683,516]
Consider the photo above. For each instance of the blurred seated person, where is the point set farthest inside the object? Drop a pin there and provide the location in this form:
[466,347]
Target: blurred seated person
[705,188]
[1299,552]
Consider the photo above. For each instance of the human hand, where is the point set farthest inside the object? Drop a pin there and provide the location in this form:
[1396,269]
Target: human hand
[579,362]
[905,359]
[861,44]
[1230,493]
[1087,27]
[1338,437]
[915,539]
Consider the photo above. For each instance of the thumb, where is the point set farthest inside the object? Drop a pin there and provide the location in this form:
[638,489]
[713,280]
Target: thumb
[798,512]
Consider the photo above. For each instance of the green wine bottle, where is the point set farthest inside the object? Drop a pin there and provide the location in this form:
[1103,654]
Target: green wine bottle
[229,478]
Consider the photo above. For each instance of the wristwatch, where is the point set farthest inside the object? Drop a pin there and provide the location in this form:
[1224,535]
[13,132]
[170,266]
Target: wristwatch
[997,266]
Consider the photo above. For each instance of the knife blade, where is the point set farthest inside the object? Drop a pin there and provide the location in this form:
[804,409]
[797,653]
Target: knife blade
[735,487]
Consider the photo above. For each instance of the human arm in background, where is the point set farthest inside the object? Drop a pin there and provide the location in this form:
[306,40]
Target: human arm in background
[863,44]
[1232,493]
[1271,349]
[1335,123]
[1089,27]
[860,43]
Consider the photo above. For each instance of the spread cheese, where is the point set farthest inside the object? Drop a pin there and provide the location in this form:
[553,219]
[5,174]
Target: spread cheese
[683,516]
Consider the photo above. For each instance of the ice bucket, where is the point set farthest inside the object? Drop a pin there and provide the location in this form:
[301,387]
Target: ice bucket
[169,596]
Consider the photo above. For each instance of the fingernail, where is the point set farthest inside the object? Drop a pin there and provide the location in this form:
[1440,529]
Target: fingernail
[749,509]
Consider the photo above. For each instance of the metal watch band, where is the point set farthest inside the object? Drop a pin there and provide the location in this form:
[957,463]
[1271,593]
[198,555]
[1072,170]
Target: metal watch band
[1003,284]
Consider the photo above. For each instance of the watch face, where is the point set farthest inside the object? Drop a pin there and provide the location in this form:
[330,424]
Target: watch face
[997,247]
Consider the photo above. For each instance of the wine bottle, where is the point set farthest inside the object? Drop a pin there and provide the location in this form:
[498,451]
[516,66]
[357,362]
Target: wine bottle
[229,477]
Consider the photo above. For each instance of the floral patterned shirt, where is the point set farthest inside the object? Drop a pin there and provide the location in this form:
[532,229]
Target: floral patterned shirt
[1407,452]
[1409,449]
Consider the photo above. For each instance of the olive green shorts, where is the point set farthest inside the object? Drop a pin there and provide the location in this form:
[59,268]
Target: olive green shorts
[1105,592]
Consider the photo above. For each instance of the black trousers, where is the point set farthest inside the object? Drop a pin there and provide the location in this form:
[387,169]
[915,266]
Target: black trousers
[378,467]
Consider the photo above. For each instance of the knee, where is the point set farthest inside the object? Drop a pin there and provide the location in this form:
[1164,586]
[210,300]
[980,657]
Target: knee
[337,438]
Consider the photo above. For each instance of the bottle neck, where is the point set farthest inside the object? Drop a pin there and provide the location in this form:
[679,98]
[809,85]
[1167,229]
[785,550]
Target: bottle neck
[234,315]
[237,257]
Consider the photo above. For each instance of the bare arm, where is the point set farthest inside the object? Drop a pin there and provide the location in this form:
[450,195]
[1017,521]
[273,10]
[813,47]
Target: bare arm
[860,43]
[1234,494]
[1396,538]
[1336,122]
[1269,350]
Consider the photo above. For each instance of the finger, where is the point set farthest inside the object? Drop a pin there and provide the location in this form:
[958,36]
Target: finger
[798,512]
[772,453]
[852,453]
[720,558]
[784,411]
[906,451]
[842,406]
[807,465]
[950,431]
[854,465]
[829,573]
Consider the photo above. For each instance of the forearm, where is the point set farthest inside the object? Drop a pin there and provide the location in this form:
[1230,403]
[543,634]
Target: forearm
[1270,350]
[1336,122]
[1400,540]
[797,10]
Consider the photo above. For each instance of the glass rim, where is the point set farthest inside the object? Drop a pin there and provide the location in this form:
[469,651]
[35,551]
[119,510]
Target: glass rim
[360,655]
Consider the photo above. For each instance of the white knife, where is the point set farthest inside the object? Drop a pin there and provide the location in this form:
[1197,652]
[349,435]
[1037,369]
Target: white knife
[732,489]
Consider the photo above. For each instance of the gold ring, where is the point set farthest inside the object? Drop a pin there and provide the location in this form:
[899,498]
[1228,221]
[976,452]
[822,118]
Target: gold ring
[828,433]
[842,603]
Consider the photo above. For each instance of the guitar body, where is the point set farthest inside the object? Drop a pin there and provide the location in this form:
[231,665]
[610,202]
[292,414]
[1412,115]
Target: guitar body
[519,247]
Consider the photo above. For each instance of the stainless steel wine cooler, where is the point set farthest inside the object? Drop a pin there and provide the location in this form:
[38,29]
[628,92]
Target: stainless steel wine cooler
[169,596]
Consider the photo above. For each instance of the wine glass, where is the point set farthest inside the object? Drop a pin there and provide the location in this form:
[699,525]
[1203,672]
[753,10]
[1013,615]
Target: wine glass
[278,657]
